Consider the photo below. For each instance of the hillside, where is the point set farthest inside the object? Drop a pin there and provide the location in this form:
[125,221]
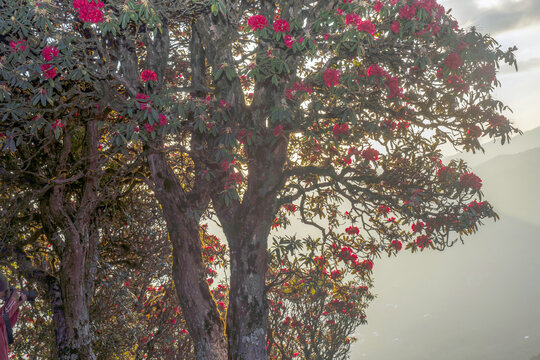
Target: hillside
[519,143]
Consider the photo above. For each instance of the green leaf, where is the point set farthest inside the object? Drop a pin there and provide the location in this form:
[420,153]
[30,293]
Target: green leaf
[218,73]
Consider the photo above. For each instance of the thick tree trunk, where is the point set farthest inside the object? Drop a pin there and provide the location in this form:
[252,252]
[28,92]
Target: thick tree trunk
[198,306]
[246,227]
[77,343]
[247,313]
[76,240]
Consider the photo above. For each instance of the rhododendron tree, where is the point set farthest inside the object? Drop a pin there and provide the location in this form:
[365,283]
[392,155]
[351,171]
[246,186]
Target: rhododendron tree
[337,107]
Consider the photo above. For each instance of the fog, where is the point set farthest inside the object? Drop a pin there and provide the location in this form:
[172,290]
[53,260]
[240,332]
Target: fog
[478,300]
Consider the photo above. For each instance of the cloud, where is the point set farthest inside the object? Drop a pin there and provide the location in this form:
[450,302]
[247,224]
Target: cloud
[505,16]
[526,65]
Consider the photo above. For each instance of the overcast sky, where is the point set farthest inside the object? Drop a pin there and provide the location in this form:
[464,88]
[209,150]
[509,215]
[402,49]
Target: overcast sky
[510,22]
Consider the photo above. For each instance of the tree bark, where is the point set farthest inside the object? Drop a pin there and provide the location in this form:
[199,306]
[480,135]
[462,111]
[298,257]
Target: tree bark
[76,241]
[246,227]
[198,306]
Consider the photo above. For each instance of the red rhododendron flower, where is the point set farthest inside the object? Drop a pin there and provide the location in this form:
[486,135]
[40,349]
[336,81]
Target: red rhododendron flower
[243,135]
[392,83]
[290,207]
[444,172]
[89,12]
[331,77]
[383,209]
[18,46]
[49,70]
[281,25]
[162,120]
[221,305]
[390,124]
[352,230]
[458,84]
[342,129]
[485,72]
[499,120]
[366,26]
[396,26]
[453,61]
[407,12]
[147,75]
[278,130]
[367,264]
[149,127]
[298,86]
[142,101]
[57,124]
[474,131]
[49,52]
[370,154]
[418,226]
[257,22]
[288,41]
[470,180]
[422,241]
[376,70]
[396,244]
[351,18]
[378,6]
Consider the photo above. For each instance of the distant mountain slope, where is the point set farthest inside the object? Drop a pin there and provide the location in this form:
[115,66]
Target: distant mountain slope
[511,184]
[475,301]
[519,143]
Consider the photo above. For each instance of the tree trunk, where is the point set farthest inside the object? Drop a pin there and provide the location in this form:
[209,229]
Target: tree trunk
[77,342]
[204,323]
[76,240]
[246,227]
[247,313]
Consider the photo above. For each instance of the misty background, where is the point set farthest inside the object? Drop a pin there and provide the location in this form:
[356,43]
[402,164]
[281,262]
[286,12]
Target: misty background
[478,300]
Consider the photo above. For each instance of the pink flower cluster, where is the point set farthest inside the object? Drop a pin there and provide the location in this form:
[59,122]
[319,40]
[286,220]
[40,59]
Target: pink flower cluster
[370,154]
[470,180]
[49,52]
[366,26]
[407,12]
[396,244]
[257,22]
[18,46]
[281,25]
[458,84]
[391,83]
[89,12]
[474,131]
[453,61]
[148,75]
[361,25]
[367,265]
[340,129]
[423,241]
[418,226]
[297,87]
[48,70]
[331,77]
[352,230]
